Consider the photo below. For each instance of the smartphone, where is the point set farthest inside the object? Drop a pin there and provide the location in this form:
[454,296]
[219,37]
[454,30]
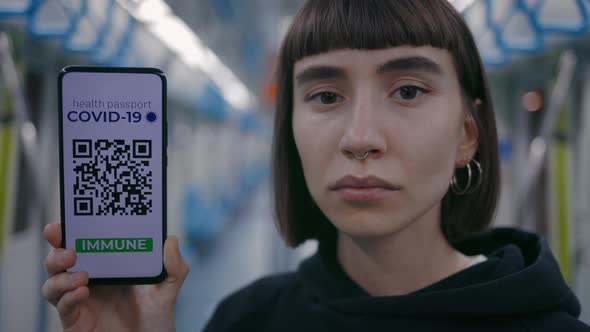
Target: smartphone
[112,147]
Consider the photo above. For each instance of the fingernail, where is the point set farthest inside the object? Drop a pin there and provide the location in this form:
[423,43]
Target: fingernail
[65,257]
[78,277]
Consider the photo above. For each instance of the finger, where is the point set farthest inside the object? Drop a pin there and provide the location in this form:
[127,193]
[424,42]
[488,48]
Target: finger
[56,286]
[176,267]
[52,233]
[68,306]
[58,260]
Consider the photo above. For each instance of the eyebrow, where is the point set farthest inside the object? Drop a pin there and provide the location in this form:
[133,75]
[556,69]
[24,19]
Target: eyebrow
[317,73]
[416,63]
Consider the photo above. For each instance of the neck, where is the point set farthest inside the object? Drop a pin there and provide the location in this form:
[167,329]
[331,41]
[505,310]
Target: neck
[407,260]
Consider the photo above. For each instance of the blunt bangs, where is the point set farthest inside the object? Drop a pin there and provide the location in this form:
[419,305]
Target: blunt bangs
[323,26]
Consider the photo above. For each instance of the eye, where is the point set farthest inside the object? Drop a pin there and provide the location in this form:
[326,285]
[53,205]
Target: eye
[326,97]
[409,92]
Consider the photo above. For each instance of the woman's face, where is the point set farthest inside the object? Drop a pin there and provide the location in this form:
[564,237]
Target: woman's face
[404,106]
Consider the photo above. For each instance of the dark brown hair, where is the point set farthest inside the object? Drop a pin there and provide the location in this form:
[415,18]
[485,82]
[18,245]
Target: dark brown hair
[321,26]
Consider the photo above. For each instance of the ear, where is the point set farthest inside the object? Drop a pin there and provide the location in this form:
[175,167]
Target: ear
[469,139]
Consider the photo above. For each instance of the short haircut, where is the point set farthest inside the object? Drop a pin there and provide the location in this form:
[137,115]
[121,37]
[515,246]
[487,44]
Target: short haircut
[322,26]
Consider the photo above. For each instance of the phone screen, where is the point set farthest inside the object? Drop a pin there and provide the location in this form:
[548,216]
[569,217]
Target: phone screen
[113,171]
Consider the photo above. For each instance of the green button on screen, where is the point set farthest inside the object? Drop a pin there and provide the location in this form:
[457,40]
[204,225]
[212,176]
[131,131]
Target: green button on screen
[115,245]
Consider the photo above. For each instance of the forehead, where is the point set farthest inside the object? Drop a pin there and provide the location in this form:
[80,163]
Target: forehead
[360,59]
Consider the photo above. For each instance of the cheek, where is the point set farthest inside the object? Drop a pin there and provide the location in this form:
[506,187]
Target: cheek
[433,150]
[434,167]
[311,143]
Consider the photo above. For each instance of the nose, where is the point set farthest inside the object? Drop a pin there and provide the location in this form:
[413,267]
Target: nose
[364,137]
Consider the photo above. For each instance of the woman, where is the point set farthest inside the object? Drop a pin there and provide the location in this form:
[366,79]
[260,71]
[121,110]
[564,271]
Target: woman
[385,150]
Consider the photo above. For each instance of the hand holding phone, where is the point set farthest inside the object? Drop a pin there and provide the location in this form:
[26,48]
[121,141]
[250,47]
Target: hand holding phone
[110,308]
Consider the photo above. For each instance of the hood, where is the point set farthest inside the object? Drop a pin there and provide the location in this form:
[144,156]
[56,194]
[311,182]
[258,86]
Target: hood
[520,277]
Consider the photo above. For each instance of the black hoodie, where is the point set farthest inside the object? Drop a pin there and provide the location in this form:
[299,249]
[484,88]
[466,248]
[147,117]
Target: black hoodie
[518,288]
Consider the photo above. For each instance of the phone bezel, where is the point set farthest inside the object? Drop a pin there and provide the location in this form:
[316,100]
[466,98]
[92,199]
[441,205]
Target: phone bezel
[126,70]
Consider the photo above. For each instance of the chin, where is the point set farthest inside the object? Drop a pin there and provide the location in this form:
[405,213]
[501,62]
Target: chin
[365,225]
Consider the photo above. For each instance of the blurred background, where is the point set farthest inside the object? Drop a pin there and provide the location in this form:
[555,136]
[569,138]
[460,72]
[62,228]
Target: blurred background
[218,56]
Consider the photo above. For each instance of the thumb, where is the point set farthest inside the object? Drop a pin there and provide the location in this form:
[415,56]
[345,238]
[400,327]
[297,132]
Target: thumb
[175,266]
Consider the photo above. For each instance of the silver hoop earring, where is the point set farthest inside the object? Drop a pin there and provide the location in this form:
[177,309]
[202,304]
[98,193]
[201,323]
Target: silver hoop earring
[468,189]
[361,157]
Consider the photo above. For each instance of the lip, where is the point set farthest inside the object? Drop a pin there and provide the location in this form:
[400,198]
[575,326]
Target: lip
[362,189]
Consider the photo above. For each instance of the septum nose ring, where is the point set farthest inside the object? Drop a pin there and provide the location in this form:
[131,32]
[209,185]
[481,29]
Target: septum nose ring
[362,156]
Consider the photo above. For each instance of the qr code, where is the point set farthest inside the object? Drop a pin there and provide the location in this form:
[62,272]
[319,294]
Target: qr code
[112,177]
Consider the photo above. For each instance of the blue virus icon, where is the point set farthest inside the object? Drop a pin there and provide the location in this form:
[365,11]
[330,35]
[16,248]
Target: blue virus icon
[151,117]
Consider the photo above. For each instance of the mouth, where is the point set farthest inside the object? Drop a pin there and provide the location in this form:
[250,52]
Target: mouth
[363,189]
